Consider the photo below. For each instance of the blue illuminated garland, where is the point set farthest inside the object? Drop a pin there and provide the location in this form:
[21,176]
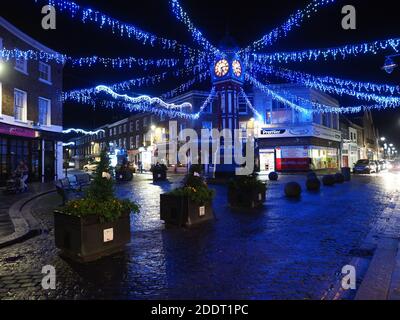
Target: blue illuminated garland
[146,104]
[84,95]
[82,131]
[197,35]
[337,52]
[185,86]
[141,99]
[249,104]
[274,95]
[295,76]
[294,21]
[322,108]
[89,61]
[130,31]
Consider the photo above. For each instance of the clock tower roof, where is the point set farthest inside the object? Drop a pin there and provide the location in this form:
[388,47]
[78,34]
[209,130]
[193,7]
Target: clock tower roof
[228,43]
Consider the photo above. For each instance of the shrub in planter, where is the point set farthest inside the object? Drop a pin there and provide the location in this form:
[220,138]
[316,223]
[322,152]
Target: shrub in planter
[339,178]
[313,184]
[329,180]
[293,190]
[188,205]
[246,192]
[97,225]
[159,172]
[273,176]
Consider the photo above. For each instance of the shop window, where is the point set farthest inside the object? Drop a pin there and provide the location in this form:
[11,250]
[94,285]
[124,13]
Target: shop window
[20,105]
[44,111]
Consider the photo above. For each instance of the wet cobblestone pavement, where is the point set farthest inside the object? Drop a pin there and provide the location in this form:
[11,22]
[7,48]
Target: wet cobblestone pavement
[286,250]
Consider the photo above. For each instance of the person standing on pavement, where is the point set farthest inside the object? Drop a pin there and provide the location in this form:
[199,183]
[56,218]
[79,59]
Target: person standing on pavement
[22,172]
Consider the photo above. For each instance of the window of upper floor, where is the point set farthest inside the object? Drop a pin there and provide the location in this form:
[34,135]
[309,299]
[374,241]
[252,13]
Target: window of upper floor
[20,105]
[44,72]
[44,111]
[21,65]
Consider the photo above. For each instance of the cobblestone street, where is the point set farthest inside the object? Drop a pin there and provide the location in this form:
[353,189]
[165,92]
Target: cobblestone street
[286,250]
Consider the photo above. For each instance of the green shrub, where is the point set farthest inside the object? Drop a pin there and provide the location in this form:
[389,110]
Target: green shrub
[100,199]
[246,183]
[196,189]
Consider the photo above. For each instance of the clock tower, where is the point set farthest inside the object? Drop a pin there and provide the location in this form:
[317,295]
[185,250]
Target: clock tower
[227,73]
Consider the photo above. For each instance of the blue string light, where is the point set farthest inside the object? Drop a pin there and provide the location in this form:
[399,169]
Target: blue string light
[146,104]
[197,35]
[141,99]
[274,95]
[128,62]
[250,105]
[335,53]
[322,108]
[84,95]
[295,76]
[103,21]
[294,21]
[82,131]
[185,86]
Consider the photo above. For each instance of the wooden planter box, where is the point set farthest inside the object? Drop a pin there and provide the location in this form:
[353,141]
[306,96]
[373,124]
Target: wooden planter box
[246,198]
[182,212]
[86,239]
[159,176]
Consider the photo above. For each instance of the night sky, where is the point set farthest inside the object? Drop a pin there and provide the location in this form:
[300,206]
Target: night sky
[246,21]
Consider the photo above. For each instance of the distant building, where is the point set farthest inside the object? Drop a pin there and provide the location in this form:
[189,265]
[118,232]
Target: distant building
[352,142]
[291,140]
[31,111]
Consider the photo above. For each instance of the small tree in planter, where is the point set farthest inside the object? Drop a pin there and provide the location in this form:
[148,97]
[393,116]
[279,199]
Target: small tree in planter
[97,225]
[189,205]
[159,172]
[246,192]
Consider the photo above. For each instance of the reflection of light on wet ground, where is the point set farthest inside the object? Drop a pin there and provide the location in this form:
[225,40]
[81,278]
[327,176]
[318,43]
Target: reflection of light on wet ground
[286,250]
[391,181]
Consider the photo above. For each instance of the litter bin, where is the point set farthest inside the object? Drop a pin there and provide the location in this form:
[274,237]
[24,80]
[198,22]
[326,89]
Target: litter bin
[347,174]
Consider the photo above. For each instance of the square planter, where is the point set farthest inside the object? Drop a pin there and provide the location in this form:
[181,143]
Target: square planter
[159,176]
[246,198]
[182,212]
[86,239]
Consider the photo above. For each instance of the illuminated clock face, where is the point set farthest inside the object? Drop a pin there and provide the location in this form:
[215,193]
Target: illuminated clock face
[237,68]
[222,68]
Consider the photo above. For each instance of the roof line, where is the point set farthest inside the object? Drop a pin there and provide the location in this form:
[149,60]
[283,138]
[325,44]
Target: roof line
[23,36]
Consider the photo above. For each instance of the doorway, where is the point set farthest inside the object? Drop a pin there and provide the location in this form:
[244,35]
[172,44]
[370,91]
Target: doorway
[267,161]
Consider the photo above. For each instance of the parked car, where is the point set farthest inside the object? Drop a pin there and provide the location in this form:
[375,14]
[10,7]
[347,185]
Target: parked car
[366,166]
[91,166]
[395,166]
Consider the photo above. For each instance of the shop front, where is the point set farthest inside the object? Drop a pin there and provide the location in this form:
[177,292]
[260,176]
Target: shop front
[39,150]
[350,154]
[298,149]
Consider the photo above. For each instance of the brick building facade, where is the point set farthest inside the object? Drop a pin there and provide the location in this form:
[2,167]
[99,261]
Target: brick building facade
[31,114]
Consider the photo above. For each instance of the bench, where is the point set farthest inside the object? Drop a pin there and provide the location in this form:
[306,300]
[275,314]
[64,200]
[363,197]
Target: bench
[72,188]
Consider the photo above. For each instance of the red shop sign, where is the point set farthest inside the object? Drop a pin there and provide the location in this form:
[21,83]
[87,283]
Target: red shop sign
[17,131]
